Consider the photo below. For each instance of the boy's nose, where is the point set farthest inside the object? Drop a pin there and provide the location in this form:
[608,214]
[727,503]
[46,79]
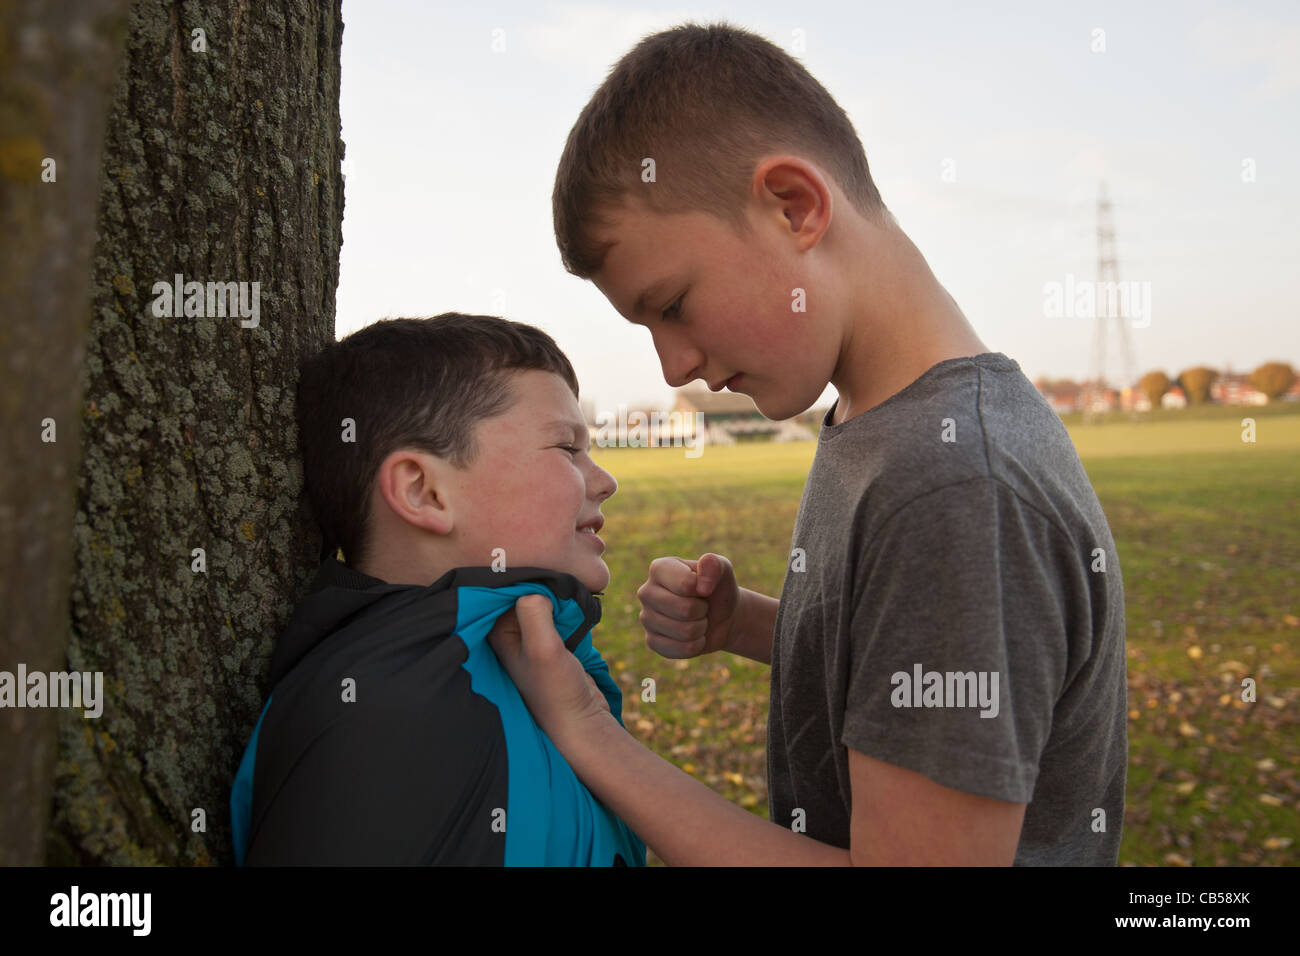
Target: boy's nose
[680,360]
[602,484]
[681,367]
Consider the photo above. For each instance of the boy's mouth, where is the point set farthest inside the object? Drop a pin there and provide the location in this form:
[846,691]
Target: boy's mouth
[589,529]
[592,526]
[730,383]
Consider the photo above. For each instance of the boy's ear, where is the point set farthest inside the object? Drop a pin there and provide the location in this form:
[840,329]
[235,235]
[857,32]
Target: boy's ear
[411,484]
[795,190]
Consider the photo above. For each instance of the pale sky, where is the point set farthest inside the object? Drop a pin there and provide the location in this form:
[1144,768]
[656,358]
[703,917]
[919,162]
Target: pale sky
[452,149]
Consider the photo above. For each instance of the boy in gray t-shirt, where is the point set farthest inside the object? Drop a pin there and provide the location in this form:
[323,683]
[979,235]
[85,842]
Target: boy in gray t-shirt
[963,483]
[948,672]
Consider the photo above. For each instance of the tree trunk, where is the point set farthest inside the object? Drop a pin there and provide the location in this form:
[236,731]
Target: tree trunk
[57,61]
[222,165]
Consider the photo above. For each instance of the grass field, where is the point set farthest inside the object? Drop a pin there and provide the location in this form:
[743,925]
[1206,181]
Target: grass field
[1209,543]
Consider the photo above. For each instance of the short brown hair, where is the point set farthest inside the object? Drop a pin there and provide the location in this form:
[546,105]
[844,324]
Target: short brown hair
[706,103]
[405,383]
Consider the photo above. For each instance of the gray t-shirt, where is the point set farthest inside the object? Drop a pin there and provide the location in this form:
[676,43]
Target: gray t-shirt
[954,606]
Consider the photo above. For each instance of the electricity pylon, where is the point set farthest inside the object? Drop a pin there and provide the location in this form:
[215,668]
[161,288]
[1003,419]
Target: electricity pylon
[1107,273]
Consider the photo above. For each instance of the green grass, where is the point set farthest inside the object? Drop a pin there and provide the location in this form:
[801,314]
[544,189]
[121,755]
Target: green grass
[1209,412]
[1170,435]
[1209,545]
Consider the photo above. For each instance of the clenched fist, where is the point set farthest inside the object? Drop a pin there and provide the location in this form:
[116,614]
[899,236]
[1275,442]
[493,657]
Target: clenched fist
[689,608]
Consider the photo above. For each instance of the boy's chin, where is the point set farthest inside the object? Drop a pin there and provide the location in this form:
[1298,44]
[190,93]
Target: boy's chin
[595,583]
[778,407]
[594,580]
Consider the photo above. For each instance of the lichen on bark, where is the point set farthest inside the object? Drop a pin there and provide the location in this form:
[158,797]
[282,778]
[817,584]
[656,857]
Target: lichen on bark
[188,427]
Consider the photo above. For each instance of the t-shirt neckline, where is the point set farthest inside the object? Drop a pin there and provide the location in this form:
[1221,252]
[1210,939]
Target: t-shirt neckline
[1001,363]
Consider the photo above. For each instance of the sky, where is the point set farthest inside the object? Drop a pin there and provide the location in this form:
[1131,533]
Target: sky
[988,132]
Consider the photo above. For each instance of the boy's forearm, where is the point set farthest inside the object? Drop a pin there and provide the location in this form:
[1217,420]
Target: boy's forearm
[681,819]
[757,626]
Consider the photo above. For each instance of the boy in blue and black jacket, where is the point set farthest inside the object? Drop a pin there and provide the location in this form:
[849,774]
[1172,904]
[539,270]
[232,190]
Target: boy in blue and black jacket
[448,459]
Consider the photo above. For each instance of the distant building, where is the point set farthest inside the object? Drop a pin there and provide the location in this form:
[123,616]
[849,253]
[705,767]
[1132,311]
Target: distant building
[698,417]
[1292,394]
[732,416]
[1064,396]
[1133,399]
[1174,398]
[1232,389]
[1103,398]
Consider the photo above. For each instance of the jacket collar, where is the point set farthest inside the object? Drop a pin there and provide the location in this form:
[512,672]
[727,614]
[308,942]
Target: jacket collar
[339,592]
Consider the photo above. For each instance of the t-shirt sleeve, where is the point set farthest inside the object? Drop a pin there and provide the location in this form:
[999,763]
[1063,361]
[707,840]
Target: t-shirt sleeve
[959,647]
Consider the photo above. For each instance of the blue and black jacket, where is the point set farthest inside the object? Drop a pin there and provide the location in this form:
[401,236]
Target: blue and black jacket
[437,760]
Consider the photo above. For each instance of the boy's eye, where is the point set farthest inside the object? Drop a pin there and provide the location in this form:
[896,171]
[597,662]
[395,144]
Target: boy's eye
[571,449]
[675,308]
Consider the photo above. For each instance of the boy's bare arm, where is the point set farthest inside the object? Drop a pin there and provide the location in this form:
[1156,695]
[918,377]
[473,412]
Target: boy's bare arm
[755,626]
[681,819]
[902,818]
[897,816]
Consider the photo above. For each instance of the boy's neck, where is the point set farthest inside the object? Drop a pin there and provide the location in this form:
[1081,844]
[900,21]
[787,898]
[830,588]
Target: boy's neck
[903,324]
[392,569]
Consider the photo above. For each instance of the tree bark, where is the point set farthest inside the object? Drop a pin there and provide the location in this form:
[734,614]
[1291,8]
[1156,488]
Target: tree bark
[57,61]
[221,165]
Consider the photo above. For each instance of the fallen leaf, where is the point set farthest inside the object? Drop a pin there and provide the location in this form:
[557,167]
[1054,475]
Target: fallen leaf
[1194,652]
[1177,859]
[1277,843]
[1187,730]
[1269,800]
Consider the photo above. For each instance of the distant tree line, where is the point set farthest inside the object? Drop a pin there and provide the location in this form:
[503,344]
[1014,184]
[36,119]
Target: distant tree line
[1272,379]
